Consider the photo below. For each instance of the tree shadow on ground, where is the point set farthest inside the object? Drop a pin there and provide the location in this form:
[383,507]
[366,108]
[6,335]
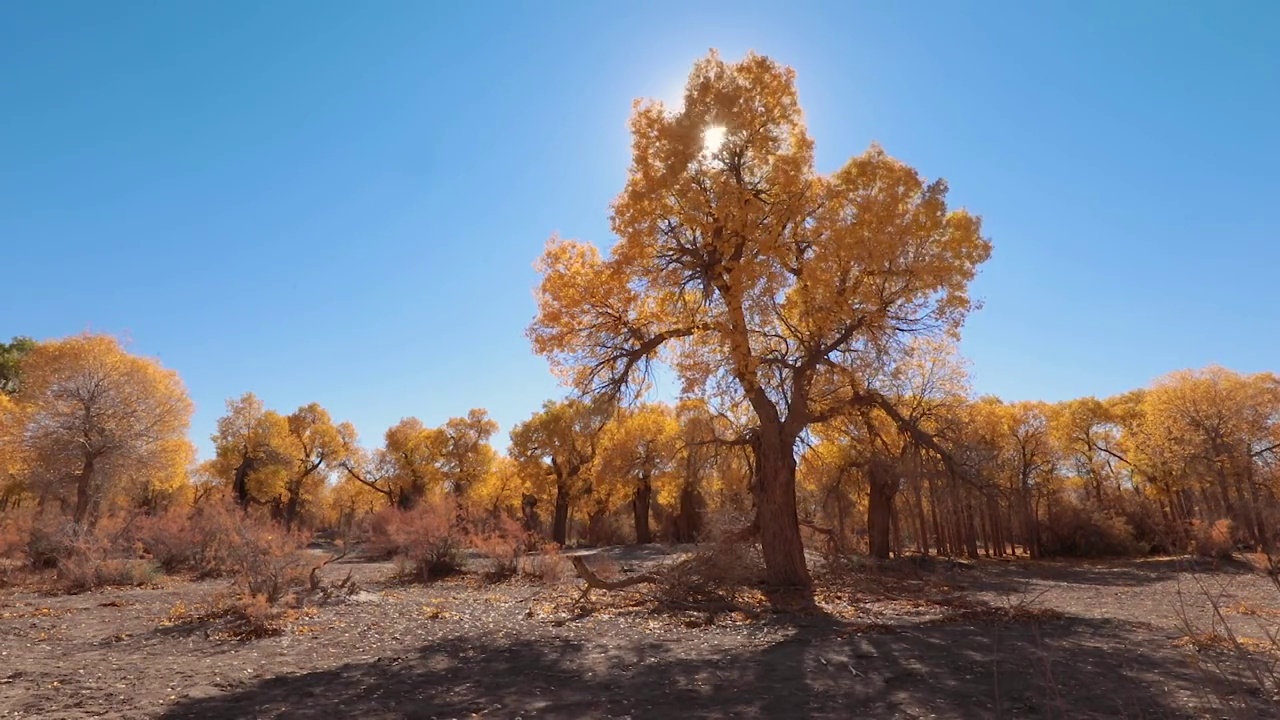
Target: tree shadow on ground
[1071,668]
[1015,576]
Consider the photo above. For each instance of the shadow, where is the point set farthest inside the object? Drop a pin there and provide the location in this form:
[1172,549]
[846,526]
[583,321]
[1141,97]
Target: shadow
[1012,576]
[1069,668]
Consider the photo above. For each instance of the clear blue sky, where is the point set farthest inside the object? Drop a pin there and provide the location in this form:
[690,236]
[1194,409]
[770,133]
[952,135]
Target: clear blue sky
[342,201]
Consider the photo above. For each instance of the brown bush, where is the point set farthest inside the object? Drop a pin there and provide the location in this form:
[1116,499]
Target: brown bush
[15,530]
[49,540]
[169,540]
[547,565]
[501,545]
[82,572]
[1214,540]
[425,542]
[1076,530]
[717,573]
[199,541]
[86,558]
[264,560]
[609,528]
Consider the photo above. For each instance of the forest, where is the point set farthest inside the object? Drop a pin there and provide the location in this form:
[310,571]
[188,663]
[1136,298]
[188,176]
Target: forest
[94,434]
[824,434]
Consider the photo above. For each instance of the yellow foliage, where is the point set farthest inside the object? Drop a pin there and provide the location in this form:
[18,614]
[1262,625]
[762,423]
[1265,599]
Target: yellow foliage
[101,424]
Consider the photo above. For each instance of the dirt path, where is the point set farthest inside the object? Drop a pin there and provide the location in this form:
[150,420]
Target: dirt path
[458,649]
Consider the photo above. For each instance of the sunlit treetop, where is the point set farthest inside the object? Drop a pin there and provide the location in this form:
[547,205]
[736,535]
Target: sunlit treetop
[745,269]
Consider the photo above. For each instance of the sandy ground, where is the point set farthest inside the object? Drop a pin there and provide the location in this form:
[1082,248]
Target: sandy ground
[979,640]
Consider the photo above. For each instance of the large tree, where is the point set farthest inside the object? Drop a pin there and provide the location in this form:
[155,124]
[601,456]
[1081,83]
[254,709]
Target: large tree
[249,447]
[11,354]
[637,449]
[467,455]
[754,276]
[98,421]
[556,448]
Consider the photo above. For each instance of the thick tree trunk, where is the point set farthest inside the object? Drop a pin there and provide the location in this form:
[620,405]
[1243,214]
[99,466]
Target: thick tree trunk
[84,514]
[640,509]
[776,517]
[529,512]
[882,486]
[970,531]
[921,523]
[560,526]
[241,483]
[291,507]
[689,519]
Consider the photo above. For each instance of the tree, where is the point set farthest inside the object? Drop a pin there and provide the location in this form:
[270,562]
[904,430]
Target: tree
[558,445]
[313,447]
[466,455]
[755,277]
[411,458]
[249,448]
[13,484]
[500,489]
[11,355]
[1204,436]
[1087,431]
[636,449]
[97,420]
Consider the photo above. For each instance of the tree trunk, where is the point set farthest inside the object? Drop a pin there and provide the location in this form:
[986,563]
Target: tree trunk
[529,512]
[689,519]
[640,509]
[84,514]
[291,507]
[970,530]
[776,517]
[560,527]
[921,523]
[241,483]
[882,486]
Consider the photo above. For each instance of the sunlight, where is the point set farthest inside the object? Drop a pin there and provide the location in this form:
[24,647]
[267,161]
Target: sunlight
[712,139]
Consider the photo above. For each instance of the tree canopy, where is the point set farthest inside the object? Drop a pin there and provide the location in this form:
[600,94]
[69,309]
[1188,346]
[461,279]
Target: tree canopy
[755,277]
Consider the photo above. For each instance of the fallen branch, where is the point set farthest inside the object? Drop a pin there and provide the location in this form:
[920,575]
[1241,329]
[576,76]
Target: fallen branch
[595,582]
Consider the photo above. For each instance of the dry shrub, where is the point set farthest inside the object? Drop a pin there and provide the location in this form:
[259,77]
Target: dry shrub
[1075,530]
[547,565]
[716,574]
[199,541]
[169,540]
[86,558]
[265,561]
[81,572]
[501,547]
[49,540]
[237,617]
[271,573]
[426,542]
[15,530]
[610,528]
[1214,540]
[501,552]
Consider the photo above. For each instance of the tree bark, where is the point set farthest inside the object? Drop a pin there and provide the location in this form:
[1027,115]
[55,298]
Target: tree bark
[689,519]
[560,526]
[776,516]
[529,512]
[84,514]
[882,486]
[241,482]
[291,507]
[640,509]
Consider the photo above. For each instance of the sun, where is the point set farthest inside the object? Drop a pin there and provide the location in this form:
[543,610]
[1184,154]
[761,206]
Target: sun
[712,139]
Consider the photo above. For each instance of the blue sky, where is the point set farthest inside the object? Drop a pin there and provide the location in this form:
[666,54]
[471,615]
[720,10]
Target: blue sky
[342,202]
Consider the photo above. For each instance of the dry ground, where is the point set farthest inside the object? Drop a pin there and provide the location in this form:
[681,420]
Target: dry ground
[976,640]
